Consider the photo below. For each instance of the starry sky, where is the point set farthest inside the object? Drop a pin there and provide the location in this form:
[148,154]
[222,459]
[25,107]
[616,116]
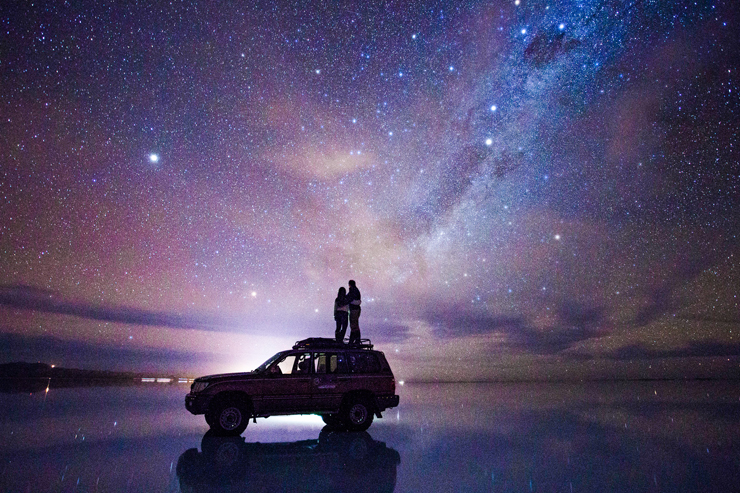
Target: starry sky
[521,189]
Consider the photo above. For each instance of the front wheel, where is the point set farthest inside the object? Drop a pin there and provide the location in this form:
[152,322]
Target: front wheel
[358,415]
[229,418]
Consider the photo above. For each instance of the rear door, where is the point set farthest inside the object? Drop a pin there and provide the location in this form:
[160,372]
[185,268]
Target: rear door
[329,379]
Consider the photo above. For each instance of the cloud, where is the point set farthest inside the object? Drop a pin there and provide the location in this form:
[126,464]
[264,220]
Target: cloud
[78,354]
[386,332]
[709,348]
[661,298]
[31,298]
[575,323]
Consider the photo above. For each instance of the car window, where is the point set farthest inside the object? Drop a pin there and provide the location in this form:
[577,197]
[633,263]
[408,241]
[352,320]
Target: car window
[303,363]
[269,362]
[295,364]
[319,361]
[338,364]
[363,363]
[286,366]
[329,363]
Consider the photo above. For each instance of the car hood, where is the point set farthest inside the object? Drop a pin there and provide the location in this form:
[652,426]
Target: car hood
[228,376]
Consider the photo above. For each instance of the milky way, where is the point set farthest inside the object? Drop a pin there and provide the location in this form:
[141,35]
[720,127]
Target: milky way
[187,185]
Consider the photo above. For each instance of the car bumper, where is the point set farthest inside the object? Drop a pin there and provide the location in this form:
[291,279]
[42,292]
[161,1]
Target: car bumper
[196,404]
[386,401]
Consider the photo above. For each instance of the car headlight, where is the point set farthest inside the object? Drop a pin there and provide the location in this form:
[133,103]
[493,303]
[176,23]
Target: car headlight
[199,386]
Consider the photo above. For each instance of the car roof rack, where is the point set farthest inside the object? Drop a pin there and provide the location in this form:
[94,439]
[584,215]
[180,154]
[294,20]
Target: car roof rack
[328,343]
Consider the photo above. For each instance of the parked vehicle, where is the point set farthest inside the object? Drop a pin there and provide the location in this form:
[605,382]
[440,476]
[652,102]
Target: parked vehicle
[347,385]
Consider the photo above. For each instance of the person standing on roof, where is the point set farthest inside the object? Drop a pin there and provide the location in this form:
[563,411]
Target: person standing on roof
[341,313]
[354,299]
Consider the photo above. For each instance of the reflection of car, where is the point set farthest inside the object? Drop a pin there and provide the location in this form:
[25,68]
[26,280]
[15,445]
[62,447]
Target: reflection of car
[337,461]
[346,384]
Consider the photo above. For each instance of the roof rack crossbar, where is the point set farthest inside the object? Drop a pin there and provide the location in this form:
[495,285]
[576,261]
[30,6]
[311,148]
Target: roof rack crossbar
[327,343]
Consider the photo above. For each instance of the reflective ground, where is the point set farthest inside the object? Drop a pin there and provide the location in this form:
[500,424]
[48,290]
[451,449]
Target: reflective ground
[624,436]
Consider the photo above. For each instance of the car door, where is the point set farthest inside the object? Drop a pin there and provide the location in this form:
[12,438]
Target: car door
[329,367]
[288,390]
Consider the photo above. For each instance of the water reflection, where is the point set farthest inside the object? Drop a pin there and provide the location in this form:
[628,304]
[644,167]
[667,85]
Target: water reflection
[580,437]
[617,437]
[336,461]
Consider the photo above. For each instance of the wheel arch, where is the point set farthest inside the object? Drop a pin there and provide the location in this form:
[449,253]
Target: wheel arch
[238,396]
[364,394]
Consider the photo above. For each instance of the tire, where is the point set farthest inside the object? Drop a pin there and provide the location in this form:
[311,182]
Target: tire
[358,415]
[229,417]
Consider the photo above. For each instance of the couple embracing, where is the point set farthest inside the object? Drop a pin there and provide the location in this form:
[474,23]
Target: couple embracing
[347,305]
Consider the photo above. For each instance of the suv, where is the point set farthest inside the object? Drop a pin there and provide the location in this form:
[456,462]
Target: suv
[345,384]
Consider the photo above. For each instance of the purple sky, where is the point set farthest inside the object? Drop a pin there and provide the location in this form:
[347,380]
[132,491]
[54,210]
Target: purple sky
[520,189]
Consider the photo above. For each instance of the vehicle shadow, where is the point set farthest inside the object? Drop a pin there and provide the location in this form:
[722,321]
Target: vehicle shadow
[335,461]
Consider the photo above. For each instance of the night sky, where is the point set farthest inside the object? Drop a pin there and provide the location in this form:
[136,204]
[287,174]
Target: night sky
[520,189]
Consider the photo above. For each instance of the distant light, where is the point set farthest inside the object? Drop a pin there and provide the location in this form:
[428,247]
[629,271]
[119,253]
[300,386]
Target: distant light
[489,142]
[452,69]
[318,71]
[524,31]
[390,134]
[401,382]
[413,36]
[254,294]
[154,158]
[494,108]
[561,26]
[557,237]
[316,310]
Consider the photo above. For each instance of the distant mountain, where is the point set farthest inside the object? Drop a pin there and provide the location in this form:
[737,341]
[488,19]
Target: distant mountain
[44,370]
[38,377]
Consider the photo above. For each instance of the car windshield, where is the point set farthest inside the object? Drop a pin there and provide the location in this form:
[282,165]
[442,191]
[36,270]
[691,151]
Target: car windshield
[267,363]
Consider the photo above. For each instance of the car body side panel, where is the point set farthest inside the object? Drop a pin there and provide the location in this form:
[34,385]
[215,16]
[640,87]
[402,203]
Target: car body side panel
[327,392]
[285,393]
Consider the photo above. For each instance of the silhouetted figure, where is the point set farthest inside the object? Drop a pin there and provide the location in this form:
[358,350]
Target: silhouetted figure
[354,300]
[341,314]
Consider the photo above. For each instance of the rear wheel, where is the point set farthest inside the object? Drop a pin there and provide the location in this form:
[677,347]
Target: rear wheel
[358,415]
[229,417]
